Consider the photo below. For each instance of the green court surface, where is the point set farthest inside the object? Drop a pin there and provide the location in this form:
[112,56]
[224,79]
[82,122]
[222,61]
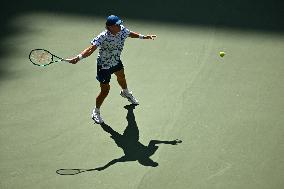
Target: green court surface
[227,111]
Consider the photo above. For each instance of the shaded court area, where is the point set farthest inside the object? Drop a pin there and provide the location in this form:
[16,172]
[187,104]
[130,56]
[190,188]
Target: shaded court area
[227,111]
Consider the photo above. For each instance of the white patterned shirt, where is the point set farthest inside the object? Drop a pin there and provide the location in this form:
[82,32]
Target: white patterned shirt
[110,47]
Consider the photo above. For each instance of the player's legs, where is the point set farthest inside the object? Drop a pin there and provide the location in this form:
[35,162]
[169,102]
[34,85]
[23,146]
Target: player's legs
[121,78]
[105,87]
[123,84]
[96,115]
[103,76]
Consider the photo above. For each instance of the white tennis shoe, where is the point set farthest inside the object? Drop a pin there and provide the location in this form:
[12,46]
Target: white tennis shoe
[96,116]
[129,97]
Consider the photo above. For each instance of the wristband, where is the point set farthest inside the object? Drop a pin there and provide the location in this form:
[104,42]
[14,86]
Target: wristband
[80,56]
[141,36]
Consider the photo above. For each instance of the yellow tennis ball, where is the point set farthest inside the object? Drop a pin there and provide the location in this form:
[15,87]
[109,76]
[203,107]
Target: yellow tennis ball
[222,54]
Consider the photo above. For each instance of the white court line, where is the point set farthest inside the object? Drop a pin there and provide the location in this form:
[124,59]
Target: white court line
[221,171]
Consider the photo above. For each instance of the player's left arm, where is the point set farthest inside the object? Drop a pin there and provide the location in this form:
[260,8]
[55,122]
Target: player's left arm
[138,35]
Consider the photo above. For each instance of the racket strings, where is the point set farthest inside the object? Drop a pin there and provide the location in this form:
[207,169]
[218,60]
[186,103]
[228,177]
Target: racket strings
[41,57]
[72,171]
[68,171]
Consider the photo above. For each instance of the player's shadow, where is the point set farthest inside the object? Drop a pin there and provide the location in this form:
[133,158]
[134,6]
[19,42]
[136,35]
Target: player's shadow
[129,142]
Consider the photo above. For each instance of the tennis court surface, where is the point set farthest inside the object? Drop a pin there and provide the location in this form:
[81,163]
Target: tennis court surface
[227,111]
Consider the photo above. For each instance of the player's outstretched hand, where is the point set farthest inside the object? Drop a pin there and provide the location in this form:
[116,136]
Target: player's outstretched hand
[176,141]
[150,37]
[72,60]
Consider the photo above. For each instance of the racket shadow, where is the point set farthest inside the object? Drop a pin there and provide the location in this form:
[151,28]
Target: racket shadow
[72,171]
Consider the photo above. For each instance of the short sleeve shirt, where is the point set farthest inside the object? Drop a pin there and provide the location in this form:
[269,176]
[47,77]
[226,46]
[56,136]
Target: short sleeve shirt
[110,47]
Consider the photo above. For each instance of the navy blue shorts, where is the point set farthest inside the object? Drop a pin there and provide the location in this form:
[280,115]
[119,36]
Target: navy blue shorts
[104,75]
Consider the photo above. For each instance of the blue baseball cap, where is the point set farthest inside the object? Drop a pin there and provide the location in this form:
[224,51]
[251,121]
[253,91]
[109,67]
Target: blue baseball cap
[113,20]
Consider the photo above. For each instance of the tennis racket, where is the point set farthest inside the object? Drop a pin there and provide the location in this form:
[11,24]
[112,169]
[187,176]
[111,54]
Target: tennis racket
[72,171]
[42,57]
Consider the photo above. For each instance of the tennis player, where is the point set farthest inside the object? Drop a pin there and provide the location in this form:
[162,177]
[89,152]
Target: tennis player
[110,43]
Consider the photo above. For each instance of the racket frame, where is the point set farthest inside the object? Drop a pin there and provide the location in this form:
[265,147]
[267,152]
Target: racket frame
[52,58]
[72,171]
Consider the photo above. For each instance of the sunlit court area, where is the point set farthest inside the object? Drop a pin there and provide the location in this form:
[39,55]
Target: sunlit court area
[210,90]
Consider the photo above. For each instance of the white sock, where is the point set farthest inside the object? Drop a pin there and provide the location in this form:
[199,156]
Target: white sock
[125,90]
[97,110]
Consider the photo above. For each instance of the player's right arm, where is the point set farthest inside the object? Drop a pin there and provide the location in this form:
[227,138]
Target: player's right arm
[84,54]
